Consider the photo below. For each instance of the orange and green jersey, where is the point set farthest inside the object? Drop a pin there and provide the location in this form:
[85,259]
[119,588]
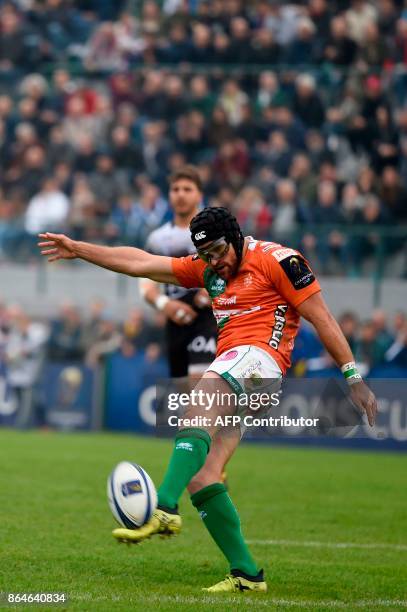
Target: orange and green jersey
[258,305]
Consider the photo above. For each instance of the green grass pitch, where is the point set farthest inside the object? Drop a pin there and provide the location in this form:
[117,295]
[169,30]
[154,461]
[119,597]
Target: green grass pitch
[329,528]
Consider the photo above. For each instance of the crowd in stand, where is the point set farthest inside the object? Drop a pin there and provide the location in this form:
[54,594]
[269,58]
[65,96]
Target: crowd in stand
[295,114]
[72,337]
[90,337]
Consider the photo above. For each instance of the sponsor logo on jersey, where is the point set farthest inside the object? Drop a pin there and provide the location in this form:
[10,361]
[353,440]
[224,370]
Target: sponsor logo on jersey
[200,235]
[224,301]
[267,246]
[297,271]
[219,314]
[280,254]
[278,327]
[131,488]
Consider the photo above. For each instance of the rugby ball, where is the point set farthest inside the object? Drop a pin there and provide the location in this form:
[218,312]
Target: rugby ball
[131,494]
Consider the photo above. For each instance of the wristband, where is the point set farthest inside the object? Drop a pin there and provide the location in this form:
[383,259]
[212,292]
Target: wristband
[161,301]
[351,373]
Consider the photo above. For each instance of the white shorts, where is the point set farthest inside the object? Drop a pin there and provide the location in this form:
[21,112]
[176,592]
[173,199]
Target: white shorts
[247,368]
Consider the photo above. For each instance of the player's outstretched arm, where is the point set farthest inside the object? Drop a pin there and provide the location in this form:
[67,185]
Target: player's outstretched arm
[316,311]
[126,260]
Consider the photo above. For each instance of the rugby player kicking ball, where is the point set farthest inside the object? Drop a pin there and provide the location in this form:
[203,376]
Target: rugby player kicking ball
[258,290]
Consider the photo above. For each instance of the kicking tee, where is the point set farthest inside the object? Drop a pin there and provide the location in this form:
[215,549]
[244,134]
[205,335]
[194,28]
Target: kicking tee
[258,305]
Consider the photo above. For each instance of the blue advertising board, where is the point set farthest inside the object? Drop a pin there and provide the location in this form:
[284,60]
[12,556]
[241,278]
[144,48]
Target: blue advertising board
[130,392]
[131,402]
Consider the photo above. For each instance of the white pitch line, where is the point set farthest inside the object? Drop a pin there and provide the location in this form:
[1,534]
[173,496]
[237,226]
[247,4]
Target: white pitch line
[312,544]
[252,602]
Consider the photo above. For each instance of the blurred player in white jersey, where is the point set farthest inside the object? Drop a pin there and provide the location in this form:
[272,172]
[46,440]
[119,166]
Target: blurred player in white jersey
[191,327]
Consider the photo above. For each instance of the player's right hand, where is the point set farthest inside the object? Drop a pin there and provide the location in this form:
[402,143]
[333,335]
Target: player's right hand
[56,246]
[365,400]
[179,312]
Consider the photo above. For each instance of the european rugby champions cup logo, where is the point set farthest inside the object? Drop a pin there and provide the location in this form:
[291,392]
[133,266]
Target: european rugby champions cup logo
[295,266]
[131,488]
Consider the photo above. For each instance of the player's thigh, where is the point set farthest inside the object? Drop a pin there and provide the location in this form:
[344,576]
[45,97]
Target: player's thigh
[222,448]
[211,399]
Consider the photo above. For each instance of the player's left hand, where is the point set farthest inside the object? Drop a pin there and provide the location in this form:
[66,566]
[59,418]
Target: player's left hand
[202,299]
[363,398]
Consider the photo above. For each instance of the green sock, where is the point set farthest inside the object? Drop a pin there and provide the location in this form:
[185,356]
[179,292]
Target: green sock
[191,448]
[223,523]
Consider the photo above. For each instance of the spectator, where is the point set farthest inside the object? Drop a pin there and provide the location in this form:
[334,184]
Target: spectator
[85,154]
[359,17]
[285,210]
[363,246]
[330,245]
[383,337]
[341,49]
[301,172]
[240,47]
[219,128]
[352,202]
[151,104]
[155,148]
[201,50]
[369,353]
[126,155]
[307,104]
[30,174]
[302,50]
[268,92]
[24,352]
[385,141]
[348,322]
[47,210]
[374,50]
[149,212]
[321,15]
[233,100]
[252,212]
[108,339]
[78,121]
[393,194]
[107,183]
[264,48]
[178,46]
[112,45]
[277,153]
[222,49]
[174,101]
[200,98]
[232,163]
[282,20]
[59,149]
[83,207]
[12,40]
[66,341]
